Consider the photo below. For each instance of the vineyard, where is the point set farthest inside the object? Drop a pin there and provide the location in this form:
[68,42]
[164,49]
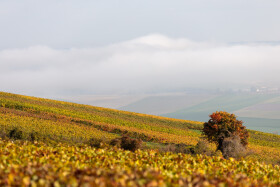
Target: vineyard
[52,149]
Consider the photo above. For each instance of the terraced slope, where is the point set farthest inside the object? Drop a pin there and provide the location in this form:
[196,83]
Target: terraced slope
[77,123]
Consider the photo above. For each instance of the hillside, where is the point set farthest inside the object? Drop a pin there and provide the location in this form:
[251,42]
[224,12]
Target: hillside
[71,121]
[60,153]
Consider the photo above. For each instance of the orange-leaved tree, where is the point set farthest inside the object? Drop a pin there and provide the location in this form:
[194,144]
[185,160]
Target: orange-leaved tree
[222,125]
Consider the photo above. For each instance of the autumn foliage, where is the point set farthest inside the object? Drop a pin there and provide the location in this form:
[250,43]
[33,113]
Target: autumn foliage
[223,125]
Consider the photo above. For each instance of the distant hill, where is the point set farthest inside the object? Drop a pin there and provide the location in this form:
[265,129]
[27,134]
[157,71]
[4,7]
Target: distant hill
[162,104]
[258,111]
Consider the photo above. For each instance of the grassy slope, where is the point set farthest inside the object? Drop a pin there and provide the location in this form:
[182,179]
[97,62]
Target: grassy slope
[64,160]
[28,112]
[56,121]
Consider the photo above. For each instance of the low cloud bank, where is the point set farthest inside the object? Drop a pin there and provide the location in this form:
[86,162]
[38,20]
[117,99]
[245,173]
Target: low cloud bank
[149,63]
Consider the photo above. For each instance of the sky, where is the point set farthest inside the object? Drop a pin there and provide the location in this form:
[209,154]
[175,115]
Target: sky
[87,23]
[52,47]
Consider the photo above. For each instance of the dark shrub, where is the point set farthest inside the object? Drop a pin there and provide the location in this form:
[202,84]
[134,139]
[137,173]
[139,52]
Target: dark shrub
[116,142]
[95,142]
[34,136]
[127,143]
[16,134]
[130,144]
[232,147]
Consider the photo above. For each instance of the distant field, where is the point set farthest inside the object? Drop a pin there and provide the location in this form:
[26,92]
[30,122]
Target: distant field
[270,109]
[157,105]
[262,124]
[229,103]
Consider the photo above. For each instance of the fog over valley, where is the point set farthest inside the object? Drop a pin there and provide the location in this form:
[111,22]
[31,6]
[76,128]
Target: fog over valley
[152,63]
